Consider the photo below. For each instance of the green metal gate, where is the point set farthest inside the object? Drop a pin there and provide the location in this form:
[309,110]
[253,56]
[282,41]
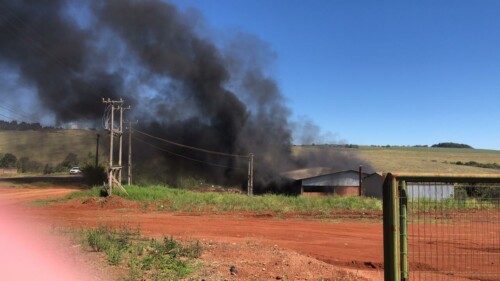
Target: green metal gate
[441,227]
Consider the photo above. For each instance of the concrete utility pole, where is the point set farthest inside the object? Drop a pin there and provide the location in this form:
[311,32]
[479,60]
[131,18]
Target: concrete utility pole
[111,134]
[250,175]
[120,137]
[114,172]
[129,174]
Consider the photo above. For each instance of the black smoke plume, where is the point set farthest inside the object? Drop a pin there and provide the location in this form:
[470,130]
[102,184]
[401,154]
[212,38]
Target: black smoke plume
[181,85]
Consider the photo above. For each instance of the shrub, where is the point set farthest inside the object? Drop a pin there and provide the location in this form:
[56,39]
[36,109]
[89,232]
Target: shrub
[71,160]
[24,164]
[9,160]
[48,169]
[147,259]
[93,175]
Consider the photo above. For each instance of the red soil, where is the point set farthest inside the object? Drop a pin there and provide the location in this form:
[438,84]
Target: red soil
[261,247]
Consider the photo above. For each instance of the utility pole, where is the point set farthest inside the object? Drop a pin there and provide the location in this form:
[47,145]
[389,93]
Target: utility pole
[97,151]
[114,172]
[111,134]
[129,174]
[120,145]
[250,175]
[360,180]
[120,136]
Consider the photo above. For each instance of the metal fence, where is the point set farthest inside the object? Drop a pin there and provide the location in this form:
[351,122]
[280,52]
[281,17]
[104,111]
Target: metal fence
[441,227]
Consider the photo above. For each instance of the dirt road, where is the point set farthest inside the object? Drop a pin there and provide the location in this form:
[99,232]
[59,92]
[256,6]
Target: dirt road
[356,246]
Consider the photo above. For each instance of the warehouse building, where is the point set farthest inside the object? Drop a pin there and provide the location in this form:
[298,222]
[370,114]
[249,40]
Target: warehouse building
[373,187]
[321,181]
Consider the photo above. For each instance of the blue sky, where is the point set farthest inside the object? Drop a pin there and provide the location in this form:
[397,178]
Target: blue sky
[380,72]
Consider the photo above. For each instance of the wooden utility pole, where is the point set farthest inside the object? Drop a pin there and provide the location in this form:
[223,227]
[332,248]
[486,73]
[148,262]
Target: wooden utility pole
[114,172]
[250,175]
[129,174]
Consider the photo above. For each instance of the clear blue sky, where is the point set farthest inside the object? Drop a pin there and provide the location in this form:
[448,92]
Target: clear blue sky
[380,72]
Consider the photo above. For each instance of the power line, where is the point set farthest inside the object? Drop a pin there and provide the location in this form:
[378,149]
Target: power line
[185,157]
[8,117]
[192,147]
[16,112]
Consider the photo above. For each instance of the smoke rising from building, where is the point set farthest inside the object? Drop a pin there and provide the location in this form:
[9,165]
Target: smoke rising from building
[181,85]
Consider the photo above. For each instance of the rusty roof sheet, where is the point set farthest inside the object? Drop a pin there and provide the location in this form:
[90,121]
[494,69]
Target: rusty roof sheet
[301,174]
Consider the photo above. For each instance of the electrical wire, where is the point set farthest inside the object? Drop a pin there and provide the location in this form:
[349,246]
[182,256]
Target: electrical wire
[17,112]
[185,157]
[8,117]
[192,147]
[106,117]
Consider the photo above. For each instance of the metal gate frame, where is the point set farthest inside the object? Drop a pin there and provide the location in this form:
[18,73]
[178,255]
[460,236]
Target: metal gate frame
[395,215]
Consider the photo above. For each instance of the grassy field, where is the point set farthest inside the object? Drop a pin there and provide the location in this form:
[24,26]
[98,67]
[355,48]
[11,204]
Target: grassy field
[51,147]
[416,159]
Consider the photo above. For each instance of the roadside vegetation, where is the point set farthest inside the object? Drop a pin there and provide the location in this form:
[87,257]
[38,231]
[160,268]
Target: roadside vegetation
[172,199]
[444,207]
[146,259]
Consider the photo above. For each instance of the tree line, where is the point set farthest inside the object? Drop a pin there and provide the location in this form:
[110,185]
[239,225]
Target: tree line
[23,126]
[25,164]
[452,145]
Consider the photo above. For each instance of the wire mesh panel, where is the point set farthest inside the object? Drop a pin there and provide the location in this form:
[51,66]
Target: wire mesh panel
[449,231]
[441,227]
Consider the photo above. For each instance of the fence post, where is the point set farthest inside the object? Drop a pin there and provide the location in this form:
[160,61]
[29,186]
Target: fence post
[403,224]
[391,229]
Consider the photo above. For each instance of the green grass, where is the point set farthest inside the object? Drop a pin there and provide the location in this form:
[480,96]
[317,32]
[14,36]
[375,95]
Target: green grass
[184,200]
[429,205]
[164,259]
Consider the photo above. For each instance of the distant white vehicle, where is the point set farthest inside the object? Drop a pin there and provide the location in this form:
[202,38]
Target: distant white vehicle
[75,171]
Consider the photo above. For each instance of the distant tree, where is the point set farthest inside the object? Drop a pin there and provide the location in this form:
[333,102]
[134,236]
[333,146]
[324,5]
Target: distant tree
[9,160]
[452,145]
[24,164]
[48,169]
[23,126]
[482,192]
[71,160]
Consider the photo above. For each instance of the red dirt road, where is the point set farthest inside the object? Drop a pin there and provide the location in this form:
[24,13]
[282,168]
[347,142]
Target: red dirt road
[353,245]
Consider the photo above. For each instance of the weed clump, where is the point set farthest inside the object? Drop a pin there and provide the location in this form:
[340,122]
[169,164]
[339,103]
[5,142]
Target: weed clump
[165,259]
